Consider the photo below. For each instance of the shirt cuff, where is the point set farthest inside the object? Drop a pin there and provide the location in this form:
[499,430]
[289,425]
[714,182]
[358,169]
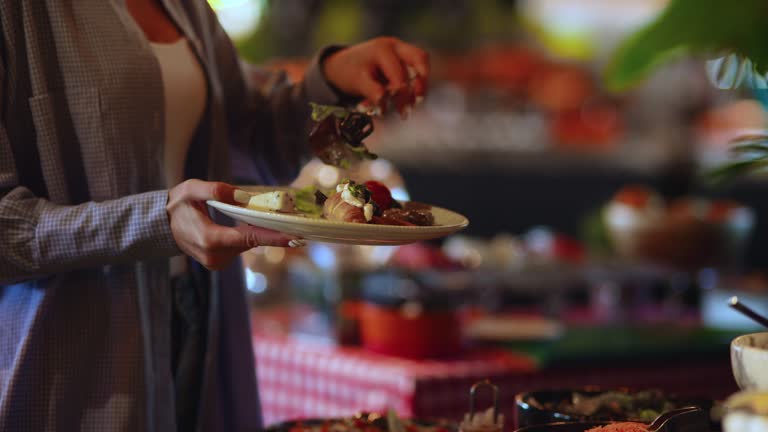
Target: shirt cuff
[319,90]
[162,222]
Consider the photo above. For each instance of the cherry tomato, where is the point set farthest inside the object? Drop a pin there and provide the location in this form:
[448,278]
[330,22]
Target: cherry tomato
[380,194]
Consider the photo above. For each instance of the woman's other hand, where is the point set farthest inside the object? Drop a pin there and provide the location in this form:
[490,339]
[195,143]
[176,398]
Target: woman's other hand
[212,245]
[380,69]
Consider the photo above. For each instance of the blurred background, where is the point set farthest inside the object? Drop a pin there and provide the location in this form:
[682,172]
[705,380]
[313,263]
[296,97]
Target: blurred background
[595,229]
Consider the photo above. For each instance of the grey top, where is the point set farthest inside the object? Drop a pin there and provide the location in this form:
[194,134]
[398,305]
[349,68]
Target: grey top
[84,303]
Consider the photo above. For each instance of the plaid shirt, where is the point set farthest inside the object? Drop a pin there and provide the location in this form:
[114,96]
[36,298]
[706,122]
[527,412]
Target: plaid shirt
[84,285]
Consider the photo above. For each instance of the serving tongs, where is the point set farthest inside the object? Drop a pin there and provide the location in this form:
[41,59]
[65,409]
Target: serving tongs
[687,419]
[469,424]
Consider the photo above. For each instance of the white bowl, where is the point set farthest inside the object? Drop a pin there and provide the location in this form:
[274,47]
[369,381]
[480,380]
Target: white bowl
[749,361]
[746,412]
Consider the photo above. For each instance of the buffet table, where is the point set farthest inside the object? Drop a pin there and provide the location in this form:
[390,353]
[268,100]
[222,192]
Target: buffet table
[299,380]
[305,380]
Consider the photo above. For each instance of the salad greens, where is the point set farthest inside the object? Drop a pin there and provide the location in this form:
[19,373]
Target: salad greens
[306,201]
[321,112]
[338,134]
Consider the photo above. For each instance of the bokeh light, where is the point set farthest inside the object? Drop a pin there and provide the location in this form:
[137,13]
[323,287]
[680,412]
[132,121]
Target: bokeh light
[238,17]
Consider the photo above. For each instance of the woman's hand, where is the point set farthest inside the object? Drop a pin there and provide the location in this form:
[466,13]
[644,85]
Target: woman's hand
[381,67]
[214,246]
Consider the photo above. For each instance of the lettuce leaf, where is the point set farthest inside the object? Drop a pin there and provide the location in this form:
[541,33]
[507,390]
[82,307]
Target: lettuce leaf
[306,203]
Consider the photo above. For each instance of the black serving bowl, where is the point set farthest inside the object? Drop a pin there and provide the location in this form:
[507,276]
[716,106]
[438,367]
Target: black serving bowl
[546,406]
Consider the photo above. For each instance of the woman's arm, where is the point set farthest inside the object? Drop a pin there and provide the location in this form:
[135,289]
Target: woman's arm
[39,238]
[268,116]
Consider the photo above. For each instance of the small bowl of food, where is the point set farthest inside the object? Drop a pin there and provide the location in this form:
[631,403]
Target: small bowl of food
[688,233]
[746,412]
[749,361]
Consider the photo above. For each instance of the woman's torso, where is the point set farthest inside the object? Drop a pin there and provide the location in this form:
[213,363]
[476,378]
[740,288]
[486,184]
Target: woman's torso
[83,108]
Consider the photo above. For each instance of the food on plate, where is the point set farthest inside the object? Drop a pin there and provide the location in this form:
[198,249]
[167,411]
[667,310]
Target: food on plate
[338,209]
[279,201]
[370,202]
[620,427]
[380,194]
[309,201]
[353,202]
[337,137]
[421,217]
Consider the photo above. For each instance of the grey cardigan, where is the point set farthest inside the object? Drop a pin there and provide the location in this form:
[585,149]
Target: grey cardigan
[84,235]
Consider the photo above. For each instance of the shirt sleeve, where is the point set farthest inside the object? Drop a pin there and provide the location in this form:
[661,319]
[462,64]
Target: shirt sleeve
[40,238]
[269,117]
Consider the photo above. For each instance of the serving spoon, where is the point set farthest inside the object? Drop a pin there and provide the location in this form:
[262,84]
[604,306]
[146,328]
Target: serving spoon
[687,419]
[735,304]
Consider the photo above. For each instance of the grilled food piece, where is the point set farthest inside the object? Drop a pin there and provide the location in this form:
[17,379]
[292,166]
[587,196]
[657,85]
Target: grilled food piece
[336,209]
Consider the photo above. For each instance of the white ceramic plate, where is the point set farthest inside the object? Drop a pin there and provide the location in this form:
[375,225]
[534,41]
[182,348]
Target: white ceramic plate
[446,223]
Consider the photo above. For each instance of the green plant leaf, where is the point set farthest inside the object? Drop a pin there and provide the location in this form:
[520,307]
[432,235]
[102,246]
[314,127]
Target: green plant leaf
[752,148]
[692,27]
[735,169]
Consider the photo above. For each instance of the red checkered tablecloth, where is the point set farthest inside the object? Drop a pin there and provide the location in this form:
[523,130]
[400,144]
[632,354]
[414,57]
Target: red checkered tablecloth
[300,380]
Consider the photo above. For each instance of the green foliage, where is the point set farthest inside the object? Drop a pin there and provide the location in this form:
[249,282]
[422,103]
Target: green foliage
[752,153]
[693,27]
[341,22]
[594,233]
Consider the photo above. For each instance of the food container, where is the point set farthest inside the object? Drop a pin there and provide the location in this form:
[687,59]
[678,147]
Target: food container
[749,361]
[595,405]
[409,315]
[690,235]
[746,412]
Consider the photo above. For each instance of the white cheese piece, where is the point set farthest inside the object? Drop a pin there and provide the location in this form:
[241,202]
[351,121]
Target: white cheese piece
[278,201]
[350,199]
[368,211]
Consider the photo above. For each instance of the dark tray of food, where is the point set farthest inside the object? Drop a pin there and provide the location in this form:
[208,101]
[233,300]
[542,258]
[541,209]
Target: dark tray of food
[552,406]
[364,422]
[587,427]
